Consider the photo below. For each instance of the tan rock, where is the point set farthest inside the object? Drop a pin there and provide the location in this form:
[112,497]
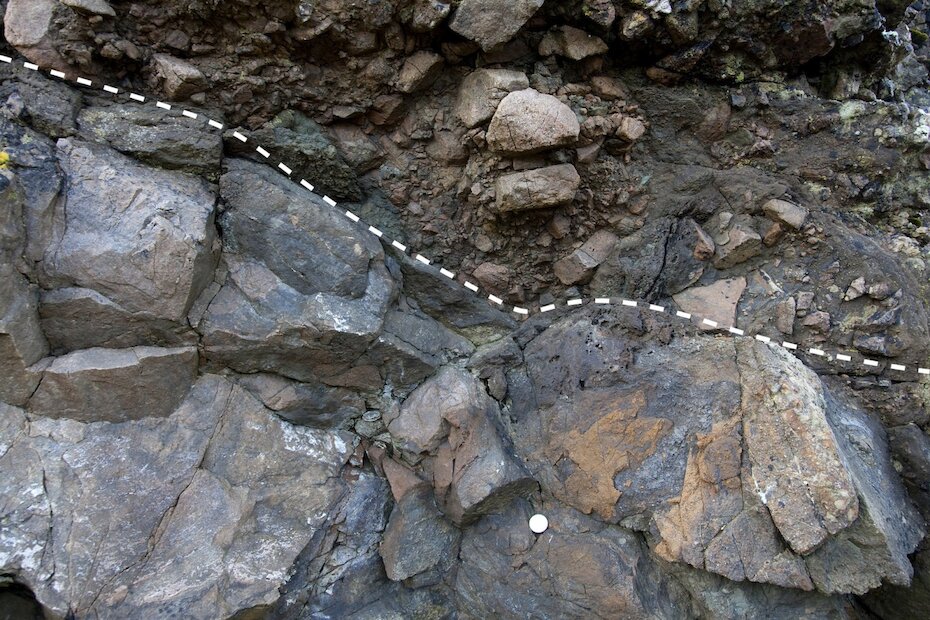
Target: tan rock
[491,23]
[180,79]
[631,129]
[481,92]
[571,43]
[579,266]
[737,245]
[492,277]
[419,71]
[527,121]
[717,302]
[541,188]
[784,212]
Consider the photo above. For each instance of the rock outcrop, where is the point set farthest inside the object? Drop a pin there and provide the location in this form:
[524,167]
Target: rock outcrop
[313,309]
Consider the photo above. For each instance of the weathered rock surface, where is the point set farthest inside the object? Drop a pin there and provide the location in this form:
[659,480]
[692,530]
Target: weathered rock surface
[419,72]
[527,121]
[451,419]
[614,447]
[180,79]
[120,220]
[492,22]
[572,43]
[541,188]
[580,264]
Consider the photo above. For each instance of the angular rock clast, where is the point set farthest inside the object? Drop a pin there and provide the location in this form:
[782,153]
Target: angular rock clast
[527,122]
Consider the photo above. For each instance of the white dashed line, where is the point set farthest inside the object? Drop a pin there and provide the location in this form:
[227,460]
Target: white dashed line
[446,273]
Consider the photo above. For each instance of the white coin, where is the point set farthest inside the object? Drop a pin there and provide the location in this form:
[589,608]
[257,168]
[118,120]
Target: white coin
[539,523]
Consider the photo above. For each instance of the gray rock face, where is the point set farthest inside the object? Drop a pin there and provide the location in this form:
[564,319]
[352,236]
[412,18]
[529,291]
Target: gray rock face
[579,266]
[307,404]
[482,91]
[121,220]
[115,385]
[541,188]
[527,121]
[508,572]
[202,522]
[417,539]
[492,22]
[22,342]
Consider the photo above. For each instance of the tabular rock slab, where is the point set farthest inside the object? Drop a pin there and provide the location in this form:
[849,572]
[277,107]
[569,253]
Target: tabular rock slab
[180,78]
[80,318]
[155,137]
[580,568]
[97,7]
[200,514]
[579,266]
[142,237]
[784,212]
[572,43]
[492,22]
[527,121]
[732,453]
[419,71]
[541,188]
[717,302]
[418,539]
[115,385]
[482,91]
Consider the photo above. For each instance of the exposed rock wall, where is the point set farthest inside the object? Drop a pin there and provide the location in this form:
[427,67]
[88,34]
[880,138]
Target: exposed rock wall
[221,397]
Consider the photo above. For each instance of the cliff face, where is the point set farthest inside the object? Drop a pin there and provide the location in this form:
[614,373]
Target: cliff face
[306,308]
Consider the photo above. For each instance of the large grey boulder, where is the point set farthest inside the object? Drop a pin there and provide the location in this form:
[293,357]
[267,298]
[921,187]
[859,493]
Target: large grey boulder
[307,290]
[492,22]
[201,514]
[115,385]
[140,236]
[528,121]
